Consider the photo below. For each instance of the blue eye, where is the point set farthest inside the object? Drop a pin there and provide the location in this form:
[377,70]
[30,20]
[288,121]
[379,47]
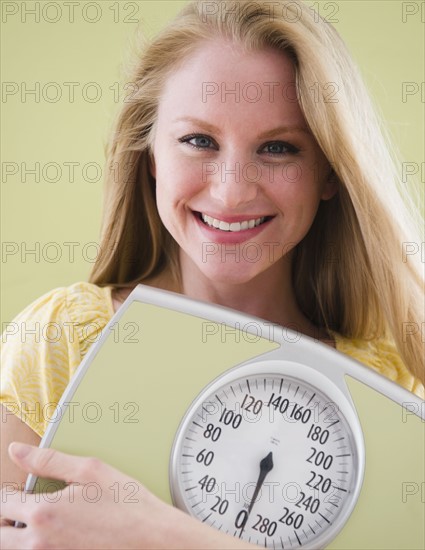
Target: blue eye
[279,148]
[198,141]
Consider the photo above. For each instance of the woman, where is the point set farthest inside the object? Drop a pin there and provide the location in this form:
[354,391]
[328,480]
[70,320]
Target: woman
[232,138]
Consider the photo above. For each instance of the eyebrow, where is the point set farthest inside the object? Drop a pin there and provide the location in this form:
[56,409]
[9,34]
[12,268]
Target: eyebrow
[209,127]
[268,134]
[283,130]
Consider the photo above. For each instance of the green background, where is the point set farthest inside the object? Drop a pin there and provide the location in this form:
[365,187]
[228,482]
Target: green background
[388,50]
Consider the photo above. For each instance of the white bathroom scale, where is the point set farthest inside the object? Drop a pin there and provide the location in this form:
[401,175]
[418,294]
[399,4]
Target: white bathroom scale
[258,431]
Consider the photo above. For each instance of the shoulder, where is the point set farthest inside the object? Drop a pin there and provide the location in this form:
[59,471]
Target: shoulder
[76,311]
[44,344]
[89,308]
[79,302]
[76,297]
[382,356]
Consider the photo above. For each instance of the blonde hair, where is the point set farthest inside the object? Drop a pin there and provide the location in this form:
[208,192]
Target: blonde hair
[349,272]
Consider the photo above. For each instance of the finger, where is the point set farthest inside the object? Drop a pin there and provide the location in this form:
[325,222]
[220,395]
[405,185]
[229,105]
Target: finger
[4,522]
[15,506]
[13,539]
[52,464]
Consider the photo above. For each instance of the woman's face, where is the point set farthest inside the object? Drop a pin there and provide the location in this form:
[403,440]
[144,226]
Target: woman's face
[239,176]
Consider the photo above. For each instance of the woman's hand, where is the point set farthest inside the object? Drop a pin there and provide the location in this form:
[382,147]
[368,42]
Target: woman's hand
[100,508]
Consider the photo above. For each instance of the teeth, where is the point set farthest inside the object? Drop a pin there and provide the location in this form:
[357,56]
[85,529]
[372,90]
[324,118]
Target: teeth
[234,227]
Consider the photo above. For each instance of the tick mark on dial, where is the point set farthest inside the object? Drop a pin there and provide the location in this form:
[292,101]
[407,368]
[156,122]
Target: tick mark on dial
[325,518]
[219,400]
[333,423]
[309,401]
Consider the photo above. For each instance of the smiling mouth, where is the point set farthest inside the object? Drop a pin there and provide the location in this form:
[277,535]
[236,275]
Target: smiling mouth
[233,227]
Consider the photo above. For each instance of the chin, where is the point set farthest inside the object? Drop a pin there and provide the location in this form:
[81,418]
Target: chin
[225,273]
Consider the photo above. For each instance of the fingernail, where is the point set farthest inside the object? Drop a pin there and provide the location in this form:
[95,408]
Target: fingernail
[20,450]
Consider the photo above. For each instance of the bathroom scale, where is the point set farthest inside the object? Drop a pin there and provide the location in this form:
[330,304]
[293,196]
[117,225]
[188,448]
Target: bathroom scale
[252,428]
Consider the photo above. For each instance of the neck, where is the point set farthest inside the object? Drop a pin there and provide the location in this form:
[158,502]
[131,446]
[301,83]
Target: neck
[269,295]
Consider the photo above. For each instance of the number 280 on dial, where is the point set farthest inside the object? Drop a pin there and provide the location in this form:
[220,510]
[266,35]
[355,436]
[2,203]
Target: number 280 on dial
[272,453]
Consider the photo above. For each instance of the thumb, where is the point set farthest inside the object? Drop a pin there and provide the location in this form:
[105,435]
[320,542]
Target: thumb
[52,464]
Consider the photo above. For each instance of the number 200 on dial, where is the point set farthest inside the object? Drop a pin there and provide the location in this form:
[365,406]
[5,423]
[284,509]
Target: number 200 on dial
[272,454]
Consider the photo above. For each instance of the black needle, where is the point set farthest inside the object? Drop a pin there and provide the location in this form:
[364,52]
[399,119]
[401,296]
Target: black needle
[265,466]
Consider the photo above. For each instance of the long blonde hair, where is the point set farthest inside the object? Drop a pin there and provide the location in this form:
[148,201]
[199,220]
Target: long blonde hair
[350,272]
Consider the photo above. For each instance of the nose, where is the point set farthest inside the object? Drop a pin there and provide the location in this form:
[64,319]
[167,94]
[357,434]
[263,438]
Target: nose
[233,183]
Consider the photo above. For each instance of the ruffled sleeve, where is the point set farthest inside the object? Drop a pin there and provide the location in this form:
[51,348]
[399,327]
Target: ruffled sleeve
[382,356]
[43,346]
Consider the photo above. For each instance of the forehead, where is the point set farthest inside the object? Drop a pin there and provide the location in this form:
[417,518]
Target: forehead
[222,79]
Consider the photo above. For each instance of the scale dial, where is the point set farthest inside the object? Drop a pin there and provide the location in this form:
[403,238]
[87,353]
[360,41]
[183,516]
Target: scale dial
[271,453]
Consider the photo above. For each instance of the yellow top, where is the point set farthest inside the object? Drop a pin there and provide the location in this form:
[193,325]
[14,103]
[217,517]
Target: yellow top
[43,346]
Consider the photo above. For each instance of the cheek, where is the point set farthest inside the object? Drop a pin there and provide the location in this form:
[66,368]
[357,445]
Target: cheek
[177,182]
[178,177]
[296,192]
[298,200]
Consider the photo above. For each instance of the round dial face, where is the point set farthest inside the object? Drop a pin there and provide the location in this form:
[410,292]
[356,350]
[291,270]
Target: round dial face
[269,458]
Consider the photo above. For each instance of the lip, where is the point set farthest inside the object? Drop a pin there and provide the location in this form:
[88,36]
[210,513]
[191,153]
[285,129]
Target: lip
[231,218]
[229,237]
